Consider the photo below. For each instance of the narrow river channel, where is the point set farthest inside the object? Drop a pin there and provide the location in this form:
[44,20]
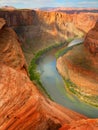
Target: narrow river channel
[55,86]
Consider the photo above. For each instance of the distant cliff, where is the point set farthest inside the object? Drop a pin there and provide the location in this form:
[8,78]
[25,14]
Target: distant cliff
[70,10]
[39,29]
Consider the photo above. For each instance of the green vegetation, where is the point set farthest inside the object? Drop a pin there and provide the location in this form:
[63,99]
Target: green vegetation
[90,99]
[71,86]
[70,39]
[34,75]
[65,50]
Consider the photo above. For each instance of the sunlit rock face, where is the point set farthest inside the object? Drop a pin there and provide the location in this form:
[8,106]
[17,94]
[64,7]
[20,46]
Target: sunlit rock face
[40,29]
[82,125]
[2,23]
[22,106]
[91,41]
[10,52]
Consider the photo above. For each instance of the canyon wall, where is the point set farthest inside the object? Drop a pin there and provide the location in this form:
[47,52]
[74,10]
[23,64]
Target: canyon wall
[82,125]
[22,106]
[38,29]
[91,40]
[79,67]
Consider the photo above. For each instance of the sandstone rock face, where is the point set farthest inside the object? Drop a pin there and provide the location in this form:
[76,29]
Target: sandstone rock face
[2,22]
[91,41]
[38,29]
[22,106]
[82,125]
[80,68]
[70,10]
[10,52]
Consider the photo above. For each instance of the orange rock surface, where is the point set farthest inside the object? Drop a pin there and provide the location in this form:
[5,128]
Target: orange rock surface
[10,51]
[22,106]
[82,125]
[2,22]
[40,29]
[91,40]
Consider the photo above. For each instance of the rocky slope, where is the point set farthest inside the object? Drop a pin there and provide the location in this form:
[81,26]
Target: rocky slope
[79,67]
[22,106]
[82,125]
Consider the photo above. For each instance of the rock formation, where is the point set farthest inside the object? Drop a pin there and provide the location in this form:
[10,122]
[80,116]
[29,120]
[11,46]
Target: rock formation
[22,106]
[91,41]
[38,29]
[10,8]
[2,23]
[79,67]
[10,52]
[82,125]
[70,10]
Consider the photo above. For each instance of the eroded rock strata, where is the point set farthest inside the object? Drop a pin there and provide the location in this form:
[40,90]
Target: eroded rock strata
[79,67]
[40,29]
[22,106]
[82,125]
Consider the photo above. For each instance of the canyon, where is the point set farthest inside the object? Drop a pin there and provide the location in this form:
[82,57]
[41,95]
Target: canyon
[39,29]
[22,105]
[79,67]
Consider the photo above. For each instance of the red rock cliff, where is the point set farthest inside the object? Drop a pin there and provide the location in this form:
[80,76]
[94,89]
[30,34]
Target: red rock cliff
[38,29]
[91,41]
[22,106]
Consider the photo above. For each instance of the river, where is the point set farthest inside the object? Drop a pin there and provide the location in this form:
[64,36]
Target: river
[55,86]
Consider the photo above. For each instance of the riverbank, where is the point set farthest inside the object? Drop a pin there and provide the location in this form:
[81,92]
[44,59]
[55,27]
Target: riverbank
[34,74]
[74,89]
[62,51]
[55,86]
[78,72]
